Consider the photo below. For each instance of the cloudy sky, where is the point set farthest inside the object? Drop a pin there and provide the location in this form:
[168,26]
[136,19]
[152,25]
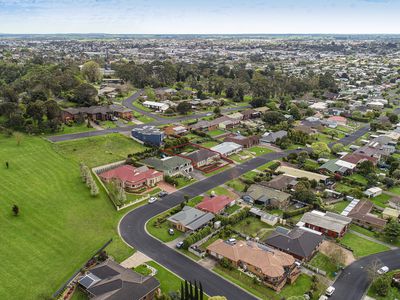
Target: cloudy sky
[200,16]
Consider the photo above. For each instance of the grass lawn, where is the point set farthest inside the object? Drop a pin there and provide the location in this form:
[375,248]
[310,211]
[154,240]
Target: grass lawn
[393,294]
[253,226]
[108,124]
[242,157]
[342,188]
[79,295]
[298,288]
[340,206]
[99,150]
[232,209]
[359,178]
[215,132]
[142,269]
[362,247]
[381,200]
[41,246]
[323,262]
[219,190]
[140,106]
[250,175]
[395,190]
[169,282]
[236,184]
[266,166]
[209,144]
[257,150]
[75,128]
[226,167]
[183,181]
[143,118]
[194,201]
[362,230]
[161,230]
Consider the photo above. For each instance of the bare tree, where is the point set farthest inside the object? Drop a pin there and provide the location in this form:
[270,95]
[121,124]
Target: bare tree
[372,269]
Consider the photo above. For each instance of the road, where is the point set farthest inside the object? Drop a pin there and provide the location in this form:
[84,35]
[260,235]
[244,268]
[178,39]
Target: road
[353,281]
[132,227]
[159,120]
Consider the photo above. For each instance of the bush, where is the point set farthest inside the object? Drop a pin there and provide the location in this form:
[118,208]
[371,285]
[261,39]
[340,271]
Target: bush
[196,236]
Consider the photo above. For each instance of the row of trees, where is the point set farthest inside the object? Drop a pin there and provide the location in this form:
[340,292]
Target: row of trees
[87,178]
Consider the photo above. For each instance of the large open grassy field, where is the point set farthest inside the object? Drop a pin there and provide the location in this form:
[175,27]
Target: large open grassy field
[60,225]
[99,150]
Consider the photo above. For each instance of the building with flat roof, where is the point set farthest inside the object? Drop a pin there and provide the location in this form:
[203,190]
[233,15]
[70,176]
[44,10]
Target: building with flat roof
[148,135]
[227,148]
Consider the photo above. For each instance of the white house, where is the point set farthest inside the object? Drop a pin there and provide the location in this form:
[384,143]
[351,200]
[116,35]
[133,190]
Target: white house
[156,105]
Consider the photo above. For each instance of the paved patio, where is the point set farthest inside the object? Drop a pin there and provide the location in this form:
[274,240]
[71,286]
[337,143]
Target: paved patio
[137,259]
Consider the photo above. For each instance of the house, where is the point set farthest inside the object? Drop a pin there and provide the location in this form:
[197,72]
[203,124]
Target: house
[96,113]
[111,281]
[297,173]
[190,219]
[271,137]
[273,267]
[203,157]
[131,178]
[390,213]
[148,135]
[305,129]
[170,166]
[328,223]
[165,93]
[216,204]
[227,148]
[361,215]
[236,116]
[250,114]
[268,197]
[223,122]
[357,158]
[298,242]
[394,202]
[158,106]
[373,192]
[281,182]
[176,130]
[334,166]
[244,141]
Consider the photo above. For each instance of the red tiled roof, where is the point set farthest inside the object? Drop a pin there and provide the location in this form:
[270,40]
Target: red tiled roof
[214,204]
[339,119]
[127,173]
[355,158]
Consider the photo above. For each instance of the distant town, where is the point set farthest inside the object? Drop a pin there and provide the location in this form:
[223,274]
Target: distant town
[200,167]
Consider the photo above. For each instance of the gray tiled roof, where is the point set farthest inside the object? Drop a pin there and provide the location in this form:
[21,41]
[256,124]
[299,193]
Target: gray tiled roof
[191,218]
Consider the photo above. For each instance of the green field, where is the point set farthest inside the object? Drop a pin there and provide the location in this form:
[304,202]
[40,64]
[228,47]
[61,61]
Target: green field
[381,200]
[215,132]
[323,262]
[60,225]
[236,184]
[362,247]
[259,150]
[99,150]
[75,128]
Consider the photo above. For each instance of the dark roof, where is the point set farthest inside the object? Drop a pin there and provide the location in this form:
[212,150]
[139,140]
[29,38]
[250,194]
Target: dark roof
[281,182]
[114,282]
[297,241]
[200,155]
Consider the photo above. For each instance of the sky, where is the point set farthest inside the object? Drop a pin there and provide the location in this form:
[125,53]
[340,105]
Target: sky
[200,16]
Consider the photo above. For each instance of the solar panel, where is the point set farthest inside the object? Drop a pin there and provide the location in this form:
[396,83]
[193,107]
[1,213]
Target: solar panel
[86,281]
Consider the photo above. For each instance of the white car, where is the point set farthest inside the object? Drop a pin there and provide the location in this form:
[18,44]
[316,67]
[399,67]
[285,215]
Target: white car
[329,291]
[152,200]
[383,270]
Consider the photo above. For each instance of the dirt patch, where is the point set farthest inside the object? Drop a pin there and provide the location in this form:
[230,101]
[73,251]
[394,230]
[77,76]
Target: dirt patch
[328,247]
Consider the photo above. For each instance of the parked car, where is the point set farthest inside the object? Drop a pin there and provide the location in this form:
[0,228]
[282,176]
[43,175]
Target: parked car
[329,291]
[152,200]
[179,245]
[247,199]
[162,194]
[383,270]
[171,231]
[323,297]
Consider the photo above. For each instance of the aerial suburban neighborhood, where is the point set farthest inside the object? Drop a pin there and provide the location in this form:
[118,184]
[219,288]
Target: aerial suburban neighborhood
[216,167]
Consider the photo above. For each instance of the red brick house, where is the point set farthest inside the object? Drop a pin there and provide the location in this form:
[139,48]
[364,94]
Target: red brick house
[245,141]
[330,224]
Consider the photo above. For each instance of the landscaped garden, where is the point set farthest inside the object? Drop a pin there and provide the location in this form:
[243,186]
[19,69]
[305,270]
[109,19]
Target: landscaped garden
[99,150]
[41,247]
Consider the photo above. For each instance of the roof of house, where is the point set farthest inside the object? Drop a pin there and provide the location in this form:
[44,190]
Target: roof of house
[281,182]
[167,163]
[301,173]
[214,204]
[200,155]
[338,119]
[356,158]
[328,220]
[191,218]
[271,137]
[361,212]
[257,192]
[226,147]
[331,166]
[271,262]
[128,173]
[394,213]
[297,241]
[111,281]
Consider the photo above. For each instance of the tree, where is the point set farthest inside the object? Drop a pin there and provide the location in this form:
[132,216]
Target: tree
[366,167]
[36,110]
[295,112]
[217,111]
[381,285]
[91,71]
[338,256]
[53,111]
[392,231]
[258,102]
[15,210]
[94,189]
[320,149]
[85,94]
[183,107]
[338,147]
[273,117]
[393,118]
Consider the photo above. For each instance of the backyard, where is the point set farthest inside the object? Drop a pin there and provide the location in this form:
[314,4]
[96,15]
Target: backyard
[362,247]
[41,247]
[99,150]
[253,227]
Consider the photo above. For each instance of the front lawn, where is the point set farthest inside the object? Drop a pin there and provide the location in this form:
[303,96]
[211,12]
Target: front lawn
[215,132]
[158,227]
[41,247]
[362,230]
[183,181]
[250,175]
[194,201]
[219,190]
[99,150]
[381,200]
[74,128]
[169,282]
[142,269]
[226,167]
[362,247]
[323,262]
[267,165]
[258,150]
[237,185]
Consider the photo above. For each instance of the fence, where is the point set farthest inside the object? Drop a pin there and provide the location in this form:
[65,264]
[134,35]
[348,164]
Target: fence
[316,270]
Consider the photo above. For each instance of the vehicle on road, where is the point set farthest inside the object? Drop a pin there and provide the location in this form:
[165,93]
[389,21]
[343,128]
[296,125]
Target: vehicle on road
[162,194]
[329,291]
[179,245]
[383,270]
[152,200]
